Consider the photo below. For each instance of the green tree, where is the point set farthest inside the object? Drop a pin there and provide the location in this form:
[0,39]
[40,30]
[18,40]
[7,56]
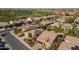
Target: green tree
[57,29]
[30,35]
[16,30]
[66,32]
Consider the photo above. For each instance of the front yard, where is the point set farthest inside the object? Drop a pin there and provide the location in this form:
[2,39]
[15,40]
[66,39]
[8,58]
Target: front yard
[29,40]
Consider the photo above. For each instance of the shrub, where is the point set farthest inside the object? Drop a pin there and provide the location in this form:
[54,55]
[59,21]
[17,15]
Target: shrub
[30,35]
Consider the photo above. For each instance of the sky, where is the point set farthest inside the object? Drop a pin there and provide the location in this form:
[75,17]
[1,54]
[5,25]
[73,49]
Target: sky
[39,3]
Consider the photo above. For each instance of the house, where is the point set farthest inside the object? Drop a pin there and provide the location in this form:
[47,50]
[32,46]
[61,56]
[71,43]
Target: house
[69,43]
[27,27]
[77,27]
[17,22]
[47,22]
[76,21]
[35,33]
[57,24]
[67,26]
[46,38]
[61,19]
[29,19]
[36,18]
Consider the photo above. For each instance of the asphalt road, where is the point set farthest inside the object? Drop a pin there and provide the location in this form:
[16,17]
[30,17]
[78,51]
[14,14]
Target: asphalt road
[14,42]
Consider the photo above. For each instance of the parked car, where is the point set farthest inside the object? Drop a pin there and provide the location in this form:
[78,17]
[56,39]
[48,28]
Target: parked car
[4,48]
[3,34]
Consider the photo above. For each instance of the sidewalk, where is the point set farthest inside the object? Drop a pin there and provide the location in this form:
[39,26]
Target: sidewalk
[21,40]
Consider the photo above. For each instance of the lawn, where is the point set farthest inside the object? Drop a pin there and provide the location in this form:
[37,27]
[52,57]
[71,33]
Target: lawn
[5,19]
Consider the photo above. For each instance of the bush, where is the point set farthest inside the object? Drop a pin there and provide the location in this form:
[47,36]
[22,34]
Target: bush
[21,35]
[30,35]
[29,41]
[16,30]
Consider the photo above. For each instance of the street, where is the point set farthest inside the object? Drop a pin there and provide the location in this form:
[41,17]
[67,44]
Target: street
[14,42]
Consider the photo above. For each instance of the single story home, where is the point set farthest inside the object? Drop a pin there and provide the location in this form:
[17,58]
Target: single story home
[67,26]
[57,24]
[62,19]
[76,21]
[35,33]
[46,38]
[47,22]
[27,27]
[69,43]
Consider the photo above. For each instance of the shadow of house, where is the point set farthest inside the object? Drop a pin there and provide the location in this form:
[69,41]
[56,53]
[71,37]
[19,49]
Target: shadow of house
[75,48]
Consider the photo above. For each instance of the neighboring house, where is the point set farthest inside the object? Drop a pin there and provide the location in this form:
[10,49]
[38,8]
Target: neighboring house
[57,24]
[69,43]
[51,16]
[72,13]
[35,33]
[46,38]
[47,22]
[29,19]
[62,19]
[77,27]
[67,26]
[18,22]
[76,21]
[27,27]
[37,18]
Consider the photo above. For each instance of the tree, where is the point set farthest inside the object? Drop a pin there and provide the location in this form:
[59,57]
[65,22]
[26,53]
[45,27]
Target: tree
[30,35]
[48,28]
[42,26]
[16,30]
[57,29]
[71,32]
[66,32]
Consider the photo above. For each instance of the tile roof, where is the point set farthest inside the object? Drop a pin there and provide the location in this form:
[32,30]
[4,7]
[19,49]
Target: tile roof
[68,43]
[47,36]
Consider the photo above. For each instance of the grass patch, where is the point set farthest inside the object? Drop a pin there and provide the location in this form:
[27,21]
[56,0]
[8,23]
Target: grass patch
[6,19]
